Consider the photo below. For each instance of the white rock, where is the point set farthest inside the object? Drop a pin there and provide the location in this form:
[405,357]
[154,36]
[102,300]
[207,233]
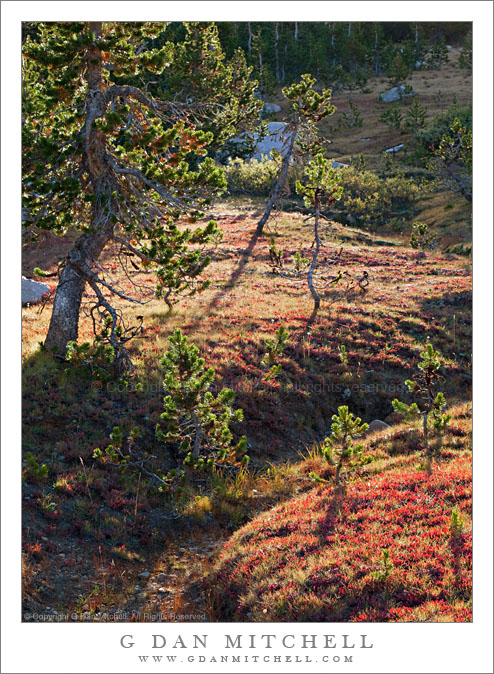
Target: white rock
[338,164]
[277,138]
[395,94]
[396,148]
[32,291]
[270,108]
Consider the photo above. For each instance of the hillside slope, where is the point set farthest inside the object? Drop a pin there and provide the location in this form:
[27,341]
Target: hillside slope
[324,556]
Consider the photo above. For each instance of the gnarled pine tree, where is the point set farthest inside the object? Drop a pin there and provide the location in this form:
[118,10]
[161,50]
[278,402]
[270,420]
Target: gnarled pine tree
[121,165]
[308,107]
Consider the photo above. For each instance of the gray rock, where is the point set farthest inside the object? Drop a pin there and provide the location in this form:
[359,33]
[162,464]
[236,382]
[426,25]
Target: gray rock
[394,149]
[270,108]
[338,164]
[32,291]
[395,94]
[277,138]
[144,574]
[377,425]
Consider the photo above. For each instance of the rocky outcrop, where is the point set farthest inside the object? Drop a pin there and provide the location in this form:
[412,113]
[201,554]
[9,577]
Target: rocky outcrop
[32,291]
[396,94]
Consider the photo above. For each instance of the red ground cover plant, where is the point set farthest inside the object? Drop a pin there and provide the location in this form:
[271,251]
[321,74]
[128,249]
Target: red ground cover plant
[383,550]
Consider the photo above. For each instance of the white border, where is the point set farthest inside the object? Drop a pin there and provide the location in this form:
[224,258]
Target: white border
[397,648]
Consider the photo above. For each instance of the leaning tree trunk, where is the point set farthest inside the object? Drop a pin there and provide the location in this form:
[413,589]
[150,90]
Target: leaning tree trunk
[280,182]
[310,273]
[64,323]
[76,272]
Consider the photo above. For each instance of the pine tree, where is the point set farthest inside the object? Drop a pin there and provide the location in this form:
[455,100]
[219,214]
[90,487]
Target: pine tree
[432,404]
[108,158]
[308,107]
[415,118]
[453,160]
[321,186]
[345,428]
[194,418]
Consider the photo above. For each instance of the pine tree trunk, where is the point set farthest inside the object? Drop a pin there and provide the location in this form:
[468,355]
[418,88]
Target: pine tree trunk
[310,273]
[64,321]
[280,182]
[276,55]
[377,60]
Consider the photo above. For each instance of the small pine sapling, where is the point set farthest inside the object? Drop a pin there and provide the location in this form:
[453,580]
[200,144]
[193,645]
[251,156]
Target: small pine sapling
[271,367]
[386,567]
[275,256]
[354,118]
[392,118]
[299,262]
[339,447]
[122,452]
[415,119]
[194,418]
[422,238]
[423,384]
[343,355]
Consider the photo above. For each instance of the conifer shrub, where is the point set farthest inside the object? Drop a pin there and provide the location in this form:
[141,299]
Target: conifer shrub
[431,405]
[339,447]
[195,425]
[421,237]
[195,419]
[255,176]
[374,201]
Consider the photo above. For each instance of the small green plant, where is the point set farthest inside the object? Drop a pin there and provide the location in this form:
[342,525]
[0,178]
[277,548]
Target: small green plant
[422,238]
[338,448]
[459,249]
[359,163]
[40,272]
[456,524]
[343,354]
[32,470]
[415,118]
[386,567]
[422,385]
[271,368]
[299,262]
[47,503]
[354,118]
[392,118]
[93,361]
[195,423]
[275,256]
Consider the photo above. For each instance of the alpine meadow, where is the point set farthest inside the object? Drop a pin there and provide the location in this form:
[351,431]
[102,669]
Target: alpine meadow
[247,322]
